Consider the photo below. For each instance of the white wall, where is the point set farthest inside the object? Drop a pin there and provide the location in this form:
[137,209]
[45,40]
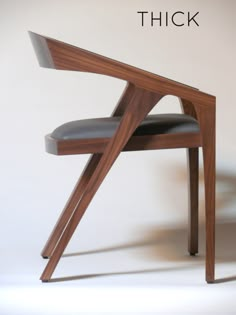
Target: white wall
[143,190]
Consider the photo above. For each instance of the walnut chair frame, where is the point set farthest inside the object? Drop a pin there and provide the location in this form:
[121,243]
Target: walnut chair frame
[143,91]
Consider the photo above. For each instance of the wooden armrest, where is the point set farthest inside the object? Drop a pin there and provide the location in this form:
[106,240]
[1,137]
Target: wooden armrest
[55,54]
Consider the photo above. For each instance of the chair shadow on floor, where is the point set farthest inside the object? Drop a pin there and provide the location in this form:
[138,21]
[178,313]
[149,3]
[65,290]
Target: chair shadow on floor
[169,244]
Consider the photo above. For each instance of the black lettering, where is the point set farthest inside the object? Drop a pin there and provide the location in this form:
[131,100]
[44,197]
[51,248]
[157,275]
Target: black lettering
[164,19]
[142,12]
[178,12]
[192,19]
[155,18]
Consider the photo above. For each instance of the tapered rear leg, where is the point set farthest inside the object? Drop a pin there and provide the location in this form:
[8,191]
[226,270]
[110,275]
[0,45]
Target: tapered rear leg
[193,168]
[71,205]
[209,175]
[141,103]
[206,117]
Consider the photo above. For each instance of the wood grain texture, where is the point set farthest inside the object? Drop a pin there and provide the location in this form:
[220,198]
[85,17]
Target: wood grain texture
[188,108]
[192,156]
[206,117]
[70,205]
[193,184]
[124,100]
[84,178]
[141,103]
[68,57]
[136,143]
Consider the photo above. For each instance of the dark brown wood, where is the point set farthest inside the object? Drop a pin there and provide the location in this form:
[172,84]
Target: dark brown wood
[70,206]
[68,57]
[84,179]
[141,103]
[188,108]
[136,143]
[124,100]
[192,155]
[193,185]
[143,91]
[206,118]
[205,113]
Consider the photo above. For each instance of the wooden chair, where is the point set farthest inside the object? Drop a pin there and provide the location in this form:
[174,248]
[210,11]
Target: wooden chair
[130,128]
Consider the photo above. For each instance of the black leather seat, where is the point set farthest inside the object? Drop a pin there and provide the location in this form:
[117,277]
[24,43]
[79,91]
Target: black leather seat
[105,127]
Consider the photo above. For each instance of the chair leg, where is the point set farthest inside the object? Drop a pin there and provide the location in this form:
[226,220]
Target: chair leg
[126,128]
[94,183]
[70,206]
[206,117]
[96,179]
[74,221]
[209,175]
[81,184]
[193,200]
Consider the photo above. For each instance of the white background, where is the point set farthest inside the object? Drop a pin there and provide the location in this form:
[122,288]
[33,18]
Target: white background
[140,211]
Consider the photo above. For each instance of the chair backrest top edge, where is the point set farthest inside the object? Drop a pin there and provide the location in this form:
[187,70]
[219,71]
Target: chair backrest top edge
[40,44]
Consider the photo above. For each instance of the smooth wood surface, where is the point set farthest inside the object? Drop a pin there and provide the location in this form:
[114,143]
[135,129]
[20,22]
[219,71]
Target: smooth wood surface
[68,57]
[83,180]
[192,155]
[143,91]
[206,118]
[136,143]
[70,206]
[141,103]
[188,108]
[193,184]
[124,100]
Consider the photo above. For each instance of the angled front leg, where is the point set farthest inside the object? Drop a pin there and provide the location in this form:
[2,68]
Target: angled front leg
[70,206]
[83,181]
[140,105]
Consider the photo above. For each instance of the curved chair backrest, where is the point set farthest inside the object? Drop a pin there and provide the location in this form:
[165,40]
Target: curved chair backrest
[55,54]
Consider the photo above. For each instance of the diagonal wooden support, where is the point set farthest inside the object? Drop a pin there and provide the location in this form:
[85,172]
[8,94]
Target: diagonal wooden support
[70,206]
[140,105]
[83,181]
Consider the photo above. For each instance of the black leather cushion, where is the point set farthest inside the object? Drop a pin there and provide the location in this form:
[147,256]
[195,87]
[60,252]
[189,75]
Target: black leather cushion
[105,127]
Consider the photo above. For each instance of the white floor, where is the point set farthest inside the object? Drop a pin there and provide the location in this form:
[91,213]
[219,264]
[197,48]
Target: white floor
[153,274]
